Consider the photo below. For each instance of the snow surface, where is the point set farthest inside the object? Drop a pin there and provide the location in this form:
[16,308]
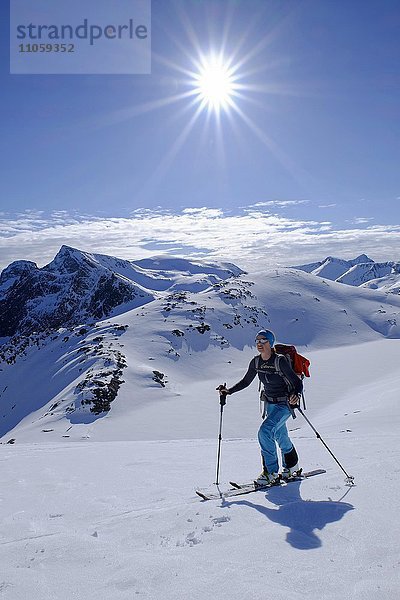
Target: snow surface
[110,511]
[119,520]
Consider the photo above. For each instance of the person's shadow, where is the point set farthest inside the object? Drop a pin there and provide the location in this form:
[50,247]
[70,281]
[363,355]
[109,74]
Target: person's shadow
[302,517]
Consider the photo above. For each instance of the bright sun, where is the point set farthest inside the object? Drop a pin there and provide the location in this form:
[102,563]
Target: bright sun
[215,85]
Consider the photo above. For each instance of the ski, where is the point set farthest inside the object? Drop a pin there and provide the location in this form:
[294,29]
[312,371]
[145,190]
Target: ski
[239,489]
[302,475]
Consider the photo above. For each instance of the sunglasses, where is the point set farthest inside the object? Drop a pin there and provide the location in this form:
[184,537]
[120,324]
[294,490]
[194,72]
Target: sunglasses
[261,341]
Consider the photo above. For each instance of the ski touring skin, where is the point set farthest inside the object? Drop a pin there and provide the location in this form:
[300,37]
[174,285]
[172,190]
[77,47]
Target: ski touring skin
[239,489]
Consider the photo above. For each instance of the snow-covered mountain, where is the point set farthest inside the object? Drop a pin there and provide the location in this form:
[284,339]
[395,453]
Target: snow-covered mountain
[118,518]
[68,371]
[360,271]
[78,287]
[332,267]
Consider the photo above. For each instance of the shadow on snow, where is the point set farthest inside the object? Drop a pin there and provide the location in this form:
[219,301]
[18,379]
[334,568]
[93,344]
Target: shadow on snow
[301,517]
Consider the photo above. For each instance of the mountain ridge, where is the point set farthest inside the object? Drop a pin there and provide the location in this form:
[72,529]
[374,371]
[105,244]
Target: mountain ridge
[360,271]
[76,287]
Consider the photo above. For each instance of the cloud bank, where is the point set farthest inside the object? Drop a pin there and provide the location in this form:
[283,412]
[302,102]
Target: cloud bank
[250,239]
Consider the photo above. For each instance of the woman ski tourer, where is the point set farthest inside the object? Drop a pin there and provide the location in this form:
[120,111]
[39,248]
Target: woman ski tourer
[281,393]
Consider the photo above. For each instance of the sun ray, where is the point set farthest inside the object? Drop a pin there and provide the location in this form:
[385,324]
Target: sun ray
[128,113]
[168,159]
[295,171]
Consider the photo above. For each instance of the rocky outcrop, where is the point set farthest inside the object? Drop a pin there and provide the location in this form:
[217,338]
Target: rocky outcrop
[72,289]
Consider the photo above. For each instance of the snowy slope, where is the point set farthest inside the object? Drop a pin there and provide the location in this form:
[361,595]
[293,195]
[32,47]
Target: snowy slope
[120,520]
[388,283]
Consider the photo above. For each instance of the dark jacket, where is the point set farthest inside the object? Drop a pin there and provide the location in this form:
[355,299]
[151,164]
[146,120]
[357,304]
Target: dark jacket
[274,384]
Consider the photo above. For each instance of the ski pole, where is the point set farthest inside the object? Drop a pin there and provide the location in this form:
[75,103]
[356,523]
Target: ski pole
[349,478]
[222,402]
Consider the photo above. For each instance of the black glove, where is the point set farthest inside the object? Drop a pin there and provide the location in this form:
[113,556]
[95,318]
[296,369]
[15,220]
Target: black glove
[223,393]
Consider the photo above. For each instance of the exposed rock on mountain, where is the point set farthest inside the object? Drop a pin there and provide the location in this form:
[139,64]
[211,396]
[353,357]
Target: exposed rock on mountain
[78,287]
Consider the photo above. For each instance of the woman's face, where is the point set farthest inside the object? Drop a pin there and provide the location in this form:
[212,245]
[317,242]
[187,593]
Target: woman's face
[262,343]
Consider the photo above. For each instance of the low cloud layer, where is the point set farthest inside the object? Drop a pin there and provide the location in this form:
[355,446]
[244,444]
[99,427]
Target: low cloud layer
[251,239]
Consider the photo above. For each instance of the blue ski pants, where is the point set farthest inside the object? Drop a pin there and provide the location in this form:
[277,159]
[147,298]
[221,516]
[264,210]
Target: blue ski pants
[273,432]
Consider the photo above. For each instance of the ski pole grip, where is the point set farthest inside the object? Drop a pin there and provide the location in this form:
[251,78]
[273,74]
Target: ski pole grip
[222,395]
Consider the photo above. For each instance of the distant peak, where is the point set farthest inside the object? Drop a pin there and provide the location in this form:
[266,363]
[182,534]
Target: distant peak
[67,250]
[363,258]
[334,259]
[68,260]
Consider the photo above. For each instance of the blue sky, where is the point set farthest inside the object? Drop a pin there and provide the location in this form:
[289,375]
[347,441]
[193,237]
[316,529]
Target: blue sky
[313,146]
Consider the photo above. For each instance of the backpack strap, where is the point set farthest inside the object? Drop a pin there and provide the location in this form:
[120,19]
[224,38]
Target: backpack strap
[279,371]
[260,391]
[257,365]
[288,383]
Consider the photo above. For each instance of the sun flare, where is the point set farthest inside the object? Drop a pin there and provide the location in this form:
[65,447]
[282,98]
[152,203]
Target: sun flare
[215,85]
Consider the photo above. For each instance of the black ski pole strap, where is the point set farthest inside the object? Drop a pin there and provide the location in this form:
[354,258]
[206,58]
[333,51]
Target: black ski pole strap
[291,408]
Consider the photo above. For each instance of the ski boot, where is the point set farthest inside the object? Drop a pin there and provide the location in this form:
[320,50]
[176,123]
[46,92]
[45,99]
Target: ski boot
[292,472]
[265,478]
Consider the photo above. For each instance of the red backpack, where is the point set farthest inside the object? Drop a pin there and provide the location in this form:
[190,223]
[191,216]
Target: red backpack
[300,364]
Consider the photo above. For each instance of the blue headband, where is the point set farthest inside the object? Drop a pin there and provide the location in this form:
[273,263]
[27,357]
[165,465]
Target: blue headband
[268,336]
